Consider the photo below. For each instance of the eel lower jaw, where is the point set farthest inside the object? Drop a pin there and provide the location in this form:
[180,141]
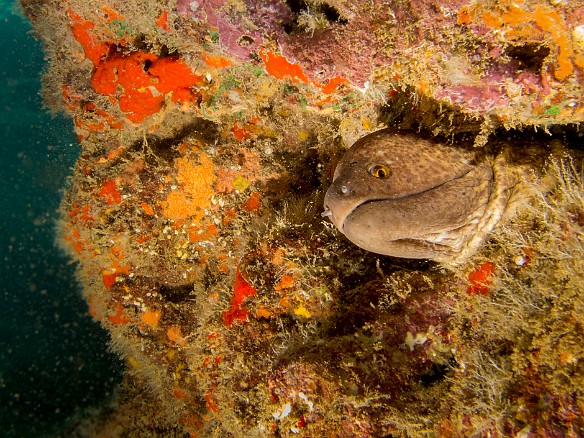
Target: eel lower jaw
[338,220]
[342,223]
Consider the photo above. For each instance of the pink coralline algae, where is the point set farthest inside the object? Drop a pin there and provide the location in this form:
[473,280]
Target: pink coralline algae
[517,59]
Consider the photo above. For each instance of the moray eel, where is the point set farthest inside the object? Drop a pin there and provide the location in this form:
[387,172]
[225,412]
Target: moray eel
[401,194]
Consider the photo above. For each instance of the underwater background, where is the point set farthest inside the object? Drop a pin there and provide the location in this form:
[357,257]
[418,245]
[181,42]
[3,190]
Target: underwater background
[54,362]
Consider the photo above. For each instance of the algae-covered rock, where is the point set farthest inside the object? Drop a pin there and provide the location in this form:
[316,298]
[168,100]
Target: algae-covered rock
[209,133]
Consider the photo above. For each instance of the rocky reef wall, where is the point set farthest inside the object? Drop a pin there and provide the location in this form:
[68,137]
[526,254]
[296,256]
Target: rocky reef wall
[209,131]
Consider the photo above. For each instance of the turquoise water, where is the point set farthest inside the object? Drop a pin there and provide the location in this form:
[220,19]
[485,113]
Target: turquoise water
[54,362]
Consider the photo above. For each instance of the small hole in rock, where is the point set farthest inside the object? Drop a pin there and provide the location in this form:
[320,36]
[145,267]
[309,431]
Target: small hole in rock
[529,56]
[302,9]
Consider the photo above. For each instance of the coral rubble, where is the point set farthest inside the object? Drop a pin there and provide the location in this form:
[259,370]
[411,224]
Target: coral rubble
[209,131]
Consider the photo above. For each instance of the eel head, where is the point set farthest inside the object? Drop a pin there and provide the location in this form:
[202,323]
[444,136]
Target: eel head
[401,194]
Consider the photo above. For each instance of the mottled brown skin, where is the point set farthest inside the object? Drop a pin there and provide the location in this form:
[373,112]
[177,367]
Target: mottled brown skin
[431,200]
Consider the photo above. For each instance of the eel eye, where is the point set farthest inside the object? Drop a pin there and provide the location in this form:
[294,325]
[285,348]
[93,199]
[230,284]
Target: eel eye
[378,171]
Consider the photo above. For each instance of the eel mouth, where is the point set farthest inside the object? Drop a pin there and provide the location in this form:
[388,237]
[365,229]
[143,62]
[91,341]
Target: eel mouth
[389,200]
[347,207]
[394,200]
